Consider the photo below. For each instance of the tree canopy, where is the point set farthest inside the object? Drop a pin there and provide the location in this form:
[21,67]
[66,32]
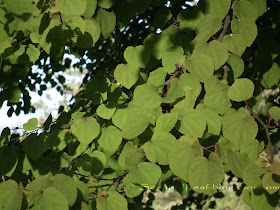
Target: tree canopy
[174,94]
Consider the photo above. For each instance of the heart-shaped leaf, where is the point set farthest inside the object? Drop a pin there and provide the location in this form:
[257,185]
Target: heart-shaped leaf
[127,75]
[241,89]
[31,124]
[137,56]
[86,129]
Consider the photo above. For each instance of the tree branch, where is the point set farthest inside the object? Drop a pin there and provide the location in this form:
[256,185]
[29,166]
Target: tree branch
[226,70]
[222,35]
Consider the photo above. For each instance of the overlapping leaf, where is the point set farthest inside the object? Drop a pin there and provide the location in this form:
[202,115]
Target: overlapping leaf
[181,157]
[158,148]
[206,175]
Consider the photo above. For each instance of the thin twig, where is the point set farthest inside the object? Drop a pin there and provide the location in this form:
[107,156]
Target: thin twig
[21,42]
[116,182]
[168,81]
[74,159]
[265,128]
[100,186]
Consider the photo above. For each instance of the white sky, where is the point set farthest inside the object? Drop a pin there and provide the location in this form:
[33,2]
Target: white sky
[50,100]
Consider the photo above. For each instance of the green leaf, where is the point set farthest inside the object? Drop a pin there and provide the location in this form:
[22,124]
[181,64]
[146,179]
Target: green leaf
[54,198]
[77,115]
[106,4]
[271,182]
[135,124]
[205,176]
[260,6]
[35,146]
[32,124]
[187,103]
[120,117]
[146,95]
[145,174]
[121,160]
[85,206]
[161,17]
[274,112]
[193,123]
[133,157]
[110,139]
[36,187]
[19,7]
[83,189]
[238,128]
[114,201]
[97,90]
[157,77]
[71,7]
[75,22]
[66,186]
[208,26]
[271,77]
[59,139]
[237,162]
[260,199]
[157,44]
[235,43]
[90,8]
[126,75]
[251,148]
[137,56]
[9,161]
[12,94]
[215,50]
[189,18]
[98,161]
[181,157]
[237,65]
[106,21]
[10,195]
[245,9]
[174,92]
[215,7]
[246,28]
[193,85]
[171,57]
[217,100]
[158,147]
[213,120]
[105,111]
[132,190]
[200,66]
[275,168]
[252,175]
[166,122]
[86,130]
[33,53]
[90,36]
[241,90]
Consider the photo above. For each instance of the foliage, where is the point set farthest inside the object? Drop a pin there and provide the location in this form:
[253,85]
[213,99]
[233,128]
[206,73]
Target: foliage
[177,107]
